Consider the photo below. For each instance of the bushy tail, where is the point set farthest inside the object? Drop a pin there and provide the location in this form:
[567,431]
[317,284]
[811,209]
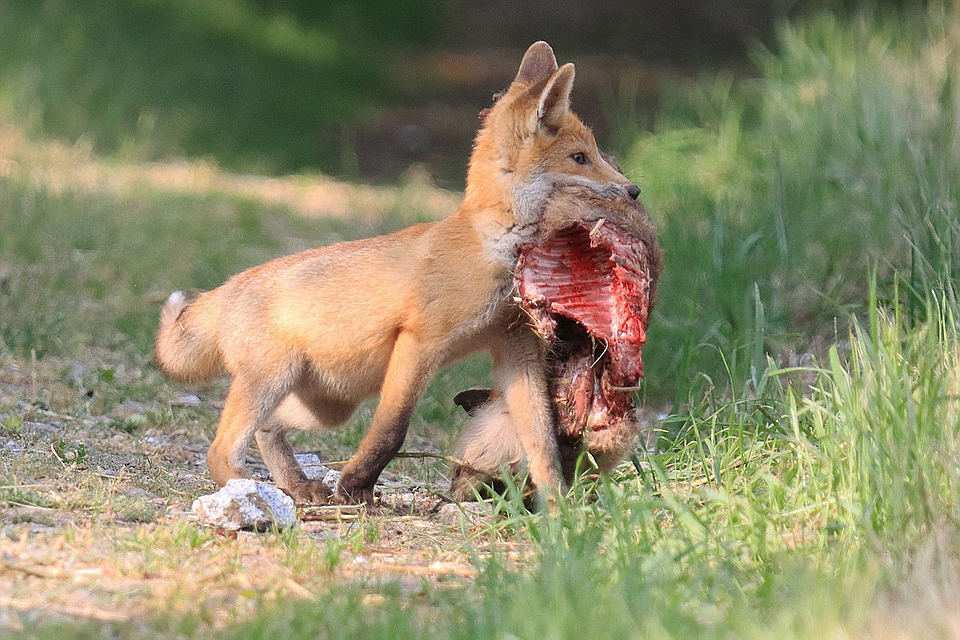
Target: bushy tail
[187,342]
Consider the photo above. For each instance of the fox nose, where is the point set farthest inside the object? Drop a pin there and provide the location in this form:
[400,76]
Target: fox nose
[634,191]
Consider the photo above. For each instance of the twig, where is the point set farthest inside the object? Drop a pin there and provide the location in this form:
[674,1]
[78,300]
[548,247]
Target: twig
[57,455]
[298,589]
[28,506]
[426,454]
[65,610]
[30,571]
[331,513]
[420,455]
[440,570]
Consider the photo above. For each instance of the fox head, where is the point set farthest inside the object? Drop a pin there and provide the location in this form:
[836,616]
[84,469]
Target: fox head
[531,143]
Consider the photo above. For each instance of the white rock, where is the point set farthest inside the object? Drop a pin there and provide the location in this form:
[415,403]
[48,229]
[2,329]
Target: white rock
[246,504]
[12,447]
[332,479]
[312,468]
[41,427]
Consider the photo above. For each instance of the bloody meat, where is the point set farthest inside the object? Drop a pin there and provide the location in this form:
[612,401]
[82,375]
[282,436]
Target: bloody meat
[588,285]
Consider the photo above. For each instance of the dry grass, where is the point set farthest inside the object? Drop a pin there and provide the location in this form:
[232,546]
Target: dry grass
[124,573]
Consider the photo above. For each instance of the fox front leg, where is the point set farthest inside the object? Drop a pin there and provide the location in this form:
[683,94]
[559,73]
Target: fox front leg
[407,376]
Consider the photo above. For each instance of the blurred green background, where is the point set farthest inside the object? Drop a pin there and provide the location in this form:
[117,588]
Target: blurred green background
[357,88]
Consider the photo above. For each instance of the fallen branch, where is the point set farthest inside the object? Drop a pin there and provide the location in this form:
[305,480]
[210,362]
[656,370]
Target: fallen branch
[331,513]
[416,455]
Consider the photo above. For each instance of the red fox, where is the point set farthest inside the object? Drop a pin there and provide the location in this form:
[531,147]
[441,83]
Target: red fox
[308,336]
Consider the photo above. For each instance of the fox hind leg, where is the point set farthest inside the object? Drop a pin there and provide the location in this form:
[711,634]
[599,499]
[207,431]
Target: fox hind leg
[247,407]
[299,410]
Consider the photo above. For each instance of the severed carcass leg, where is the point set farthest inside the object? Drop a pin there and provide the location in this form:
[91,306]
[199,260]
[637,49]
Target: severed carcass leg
[588,286]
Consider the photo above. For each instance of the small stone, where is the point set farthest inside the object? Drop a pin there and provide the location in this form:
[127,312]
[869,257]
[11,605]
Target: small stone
[312,468]
[245,504]
[12,447]
[187,400]
[470,513]
[332,479]
[41,427]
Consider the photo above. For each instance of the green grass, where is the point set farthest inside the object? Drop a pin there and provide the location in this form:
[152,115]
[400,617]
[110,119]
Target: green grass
[811,209]
[832,515]
[786,190]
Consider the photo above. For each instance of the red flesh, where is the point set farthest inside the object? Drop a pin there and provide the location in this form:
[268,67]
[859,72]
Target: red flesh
[597,278]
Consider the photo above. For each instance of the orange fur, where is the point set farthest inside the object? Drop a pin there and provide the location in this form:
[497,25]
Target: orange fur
[308,336]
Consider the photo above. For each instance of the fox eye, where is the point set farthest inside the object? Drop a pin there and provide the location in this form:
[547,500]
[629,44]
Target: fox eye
[579,158]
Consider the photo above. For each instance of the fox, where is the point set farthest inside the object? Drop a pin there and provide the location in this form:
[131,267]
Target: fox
[307,337]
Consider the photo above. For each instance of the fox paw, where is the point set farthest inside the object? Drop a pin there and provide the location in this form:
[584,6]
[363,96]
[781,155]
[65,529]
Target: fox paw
[310,492]
[353,495]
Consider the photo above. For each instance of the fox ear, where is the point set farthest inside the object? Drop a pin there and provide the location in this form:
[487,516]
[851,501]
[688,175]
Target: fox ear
[538,64]
[555,99]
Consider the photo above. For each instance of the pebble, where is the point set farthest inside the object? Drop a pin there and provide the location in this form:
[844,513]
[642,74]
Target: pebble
[310,463]
[12,447]
[332,479]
